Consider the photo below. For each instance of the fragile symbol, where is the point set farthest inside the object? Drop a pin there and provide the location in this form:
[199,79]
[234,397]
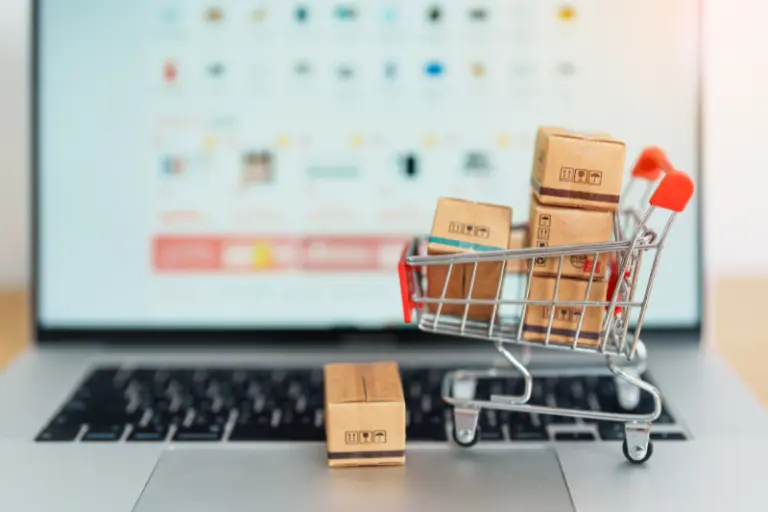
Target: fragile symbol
[365,437]
[581,176]
[350,436]
[380,436]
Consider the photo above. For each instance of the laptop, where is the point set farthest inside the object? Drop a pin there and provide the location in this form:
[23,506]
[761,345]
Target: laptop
[221,193]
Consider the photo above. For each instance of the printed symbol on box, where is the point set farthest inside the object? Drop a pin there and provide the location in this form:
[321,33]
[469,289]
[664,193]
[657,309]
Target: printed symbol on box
[563,314]
[543,233]
[365,437]
[595,177]
[350,436]
[456,227]
[581,176]
[380,436]
[566,174]
[584,264]
[483,231]
[545,220]
[540,261]
[542,244]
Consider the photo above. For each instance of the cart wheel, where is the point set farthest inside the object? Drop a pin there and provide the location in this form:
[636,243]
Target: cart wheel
[465,439]
[648,453]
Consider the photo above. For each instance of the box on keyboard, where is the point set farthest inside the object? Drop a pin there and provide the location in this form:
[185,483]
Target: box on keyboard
[364,414]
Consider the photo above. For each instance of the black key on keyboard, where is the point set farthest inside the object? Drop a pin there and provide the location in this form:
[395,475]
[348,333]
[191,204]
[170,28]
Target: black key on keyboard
[525,427]
[55,432]
[574,436]
[149,433]
[490,426]
[422,426]
[611,430]
[104,432]
[668,436]
[199,433]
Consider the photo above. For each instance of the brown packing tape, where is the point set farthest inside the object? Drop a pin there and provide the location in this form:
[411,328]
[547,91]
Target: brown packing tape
[574,194]
[366,455]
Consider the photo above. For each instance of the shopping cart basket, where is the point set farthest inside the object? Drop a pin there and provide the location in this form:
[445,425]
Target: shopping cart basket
[618,340]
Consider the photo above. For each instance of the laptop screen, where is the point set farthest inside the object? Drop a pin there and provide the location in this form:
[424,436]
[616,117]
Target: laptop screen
[259,164]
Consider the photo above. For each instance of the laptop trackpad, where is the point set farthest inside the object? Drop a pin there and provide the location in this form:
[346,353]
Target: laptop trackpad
[297,478]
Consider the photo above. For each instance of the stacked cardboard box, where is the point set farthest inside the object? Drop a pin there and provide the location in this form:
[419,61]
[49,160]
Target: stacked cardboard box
[576,183]
[461,226]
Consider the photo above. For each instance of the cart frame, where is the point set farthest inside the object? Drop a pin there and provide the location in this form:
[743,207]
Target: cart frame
[618,342]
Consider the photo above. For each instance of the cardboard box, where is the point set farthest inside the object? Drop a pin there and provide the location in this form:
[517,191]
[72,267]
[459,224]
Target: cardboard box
[577,170]
[566,318]
[552,226]
[364,414]
[518,239]
[461,226]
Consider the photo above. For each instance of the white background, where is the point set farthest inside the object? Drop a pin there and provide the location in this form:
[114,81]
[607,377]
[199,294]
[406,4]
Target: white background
[736,135]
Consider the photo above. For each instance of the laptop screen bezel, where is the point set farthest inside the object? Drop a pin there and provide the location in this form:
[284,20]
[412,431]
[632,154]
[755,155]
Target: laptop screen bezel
[44,334]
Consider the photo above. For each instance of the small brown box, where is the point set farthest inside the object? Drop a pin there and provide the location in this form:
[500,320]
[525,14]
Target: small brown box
[364,414]
[577,170]
[566,319]
[518,239]
[552,226]
[461,226]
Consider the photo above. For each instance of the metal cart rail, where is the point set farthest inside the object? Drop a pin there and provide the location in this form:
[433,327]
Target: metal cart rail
[618,340]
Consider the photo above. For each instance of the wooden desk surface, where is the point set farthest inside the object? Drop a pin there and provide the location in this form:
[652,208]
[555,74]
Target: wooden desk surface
[744,346]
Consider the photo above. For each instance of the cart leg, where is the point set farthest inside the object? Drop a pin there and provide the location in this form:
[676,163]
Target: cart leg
[465,431]
[638,447]
[627,393]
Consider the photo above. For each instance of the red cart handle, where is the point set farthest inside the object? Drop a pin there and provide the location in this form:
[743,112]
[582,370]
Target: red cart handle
[674,192]
[651,163]
[406,294]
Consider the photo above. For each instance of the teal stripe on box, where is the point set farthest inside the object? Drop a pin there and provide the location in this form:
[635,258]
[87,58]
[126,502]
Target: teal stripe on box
[463,245]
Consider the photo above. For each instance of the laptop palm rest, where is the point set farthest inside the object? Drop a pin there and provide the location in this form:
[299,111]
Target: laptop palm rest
[295,477]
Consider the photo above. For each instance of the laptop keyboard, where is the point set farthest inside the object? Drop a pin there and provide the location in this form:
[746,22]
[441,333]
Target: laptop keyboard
[249,404]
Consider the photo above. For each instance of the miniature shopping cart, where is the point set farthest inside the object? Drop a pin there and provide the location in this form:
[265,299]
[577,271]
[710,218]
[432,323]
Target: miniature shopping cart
[617,340]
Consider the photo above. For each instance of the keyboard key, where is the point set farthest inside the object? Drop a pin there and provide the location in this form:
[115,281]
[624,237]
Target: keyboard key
[668,436]
[490,426]
[574,436]
[611,430]
[149,433]
[525,427]
[425,427]
[104,433]
[199,433]
[59,433]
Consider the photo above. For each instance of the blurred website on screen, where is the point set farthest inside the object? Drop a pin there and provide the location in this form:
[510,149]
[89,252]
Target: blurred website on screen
[254,164]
